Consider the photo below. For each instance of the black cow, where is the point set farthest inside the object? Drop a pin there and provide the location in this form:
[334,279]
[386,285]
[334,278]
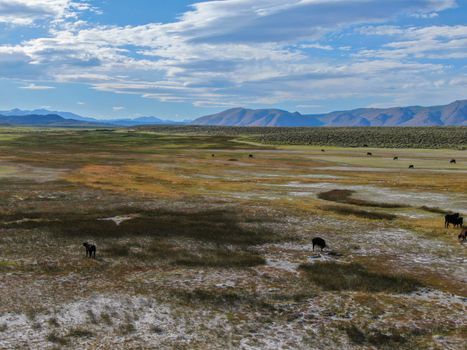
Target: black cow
[90,250]
[411,166]
[321,243]
[395,158]
[369,154]
[450,219]
[213,155]
[453,161]
[323,150]
[250,156]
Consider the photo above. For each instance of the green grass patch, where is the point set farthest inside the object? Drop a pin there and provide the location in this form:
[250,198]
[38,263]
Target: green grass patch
[359,213]
[57,339]
[355,277]
[216,226]
[126,328]
[80,333]
[117,250]
[222,258]
[345,196]
[435,210]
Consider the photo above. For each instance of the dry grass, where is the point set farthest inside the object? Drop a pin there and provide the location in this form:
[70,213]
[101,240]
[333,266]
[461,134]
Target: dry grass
[197,223]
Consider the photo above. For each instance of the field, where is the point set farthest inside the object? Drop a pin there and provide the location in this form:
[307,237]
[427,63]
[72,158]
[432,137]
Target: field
[204,239]
[385,137]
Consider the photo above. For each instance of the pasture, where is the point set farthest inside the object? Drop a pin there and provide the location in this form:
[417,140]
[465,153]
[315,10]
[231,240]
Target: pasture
[200,246]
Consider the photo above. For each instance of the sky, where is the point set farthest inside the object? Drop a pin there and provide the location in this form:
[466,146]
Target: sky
[182,59]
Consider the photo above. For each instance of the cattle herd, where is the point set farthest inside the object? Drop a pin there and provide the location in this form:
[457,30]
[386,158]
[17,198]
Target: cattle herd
[450,219]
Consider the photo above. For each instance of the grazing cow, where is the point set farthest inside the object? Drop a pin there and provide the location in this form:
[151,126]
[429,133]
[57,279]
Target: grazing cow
[450,219]
[365,145]
[90,250]
[395,158]
[453,161]
[250,156]
[369,154]
[323,150]
[213,155]
[411,166]
[321,243]
[462,236]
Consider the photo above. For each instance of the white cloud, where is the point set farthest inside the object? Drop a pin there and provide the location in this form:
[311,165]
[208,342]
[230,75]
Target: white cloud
[316,46]
[118,108]
[223,53]
[26,12]
[277,20]
[432,42]
[33,86]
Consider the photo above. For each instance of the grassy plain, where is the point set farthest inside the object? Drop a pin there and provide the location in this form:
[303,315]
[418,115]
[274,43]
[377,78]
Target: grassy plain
[201,246]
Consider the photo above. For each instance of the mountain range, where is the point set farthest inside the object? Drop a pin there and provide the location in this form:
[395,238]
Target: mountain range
[454,113]
[51,120]
[36,117]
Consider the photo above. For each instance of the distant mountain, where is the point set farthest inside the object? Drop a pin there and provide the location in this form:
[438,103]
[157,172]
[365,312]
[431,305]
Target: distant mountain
[452,114]
[258,117]
[144,121]
[42,111]
[50,120]
[76,117]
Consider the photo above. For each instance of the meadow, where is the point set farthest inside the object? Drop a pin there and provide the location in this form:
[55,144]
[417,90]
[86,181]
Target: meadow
[204,238]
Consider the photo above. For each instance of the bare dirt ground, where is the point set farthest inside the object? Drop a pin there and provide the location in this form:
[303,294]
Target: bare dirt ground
[202,247]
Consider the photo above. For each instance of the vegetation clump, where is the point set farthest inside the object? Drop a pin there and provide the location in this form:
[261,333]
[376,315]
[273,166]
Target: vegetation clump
[80,333]
[359,213]
[355,277]
[222,258]
[345,196]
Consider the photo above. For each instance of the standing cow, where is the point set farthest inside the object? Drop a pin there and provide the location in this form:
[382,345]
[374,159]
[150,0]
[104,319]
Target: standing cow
[90,250]
[451,219]
[318,241]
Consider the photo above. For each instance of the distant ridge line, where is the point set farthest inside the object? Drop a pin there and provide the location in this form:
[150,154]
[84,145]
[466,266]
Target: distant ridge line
[453,114]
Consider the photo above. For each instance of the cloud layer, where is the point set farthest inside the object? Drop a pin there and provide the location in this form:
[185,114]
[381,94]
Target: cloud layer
[244,52]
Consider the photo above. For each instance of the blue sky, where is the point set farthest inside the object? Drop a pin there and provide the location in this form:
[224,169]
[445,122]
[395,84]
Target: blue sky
[182,59]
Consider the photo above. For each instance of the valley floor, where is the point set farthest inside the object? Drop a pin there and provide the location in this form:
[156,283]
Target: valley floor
[204,242]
